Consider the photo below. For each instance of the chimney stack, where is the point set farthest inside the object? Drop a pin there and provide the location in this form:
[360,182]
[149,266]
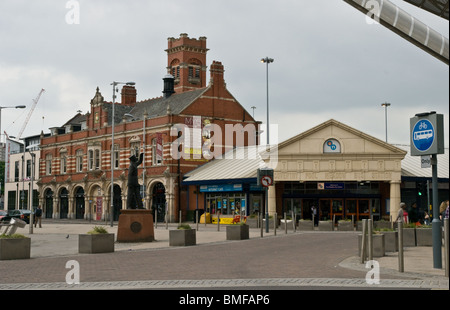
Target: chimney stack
[128,95]
[169,84]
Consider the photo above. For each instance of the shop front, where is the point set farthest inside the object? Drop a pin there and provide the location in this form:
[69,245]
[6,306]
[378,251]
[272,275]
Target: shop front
[339,171]
[232,200]
[227,187]
[333,200]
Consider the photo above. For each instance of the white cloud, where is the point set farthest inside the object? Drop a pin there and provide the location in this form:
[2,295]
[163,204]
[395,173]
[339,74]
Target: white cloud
[329,63]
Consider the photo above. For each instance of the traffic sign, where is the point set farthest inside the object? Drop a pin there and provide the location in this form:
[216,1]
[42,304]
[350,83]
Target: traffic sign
[264,177]
[427,134]
[266,181]
[423,135]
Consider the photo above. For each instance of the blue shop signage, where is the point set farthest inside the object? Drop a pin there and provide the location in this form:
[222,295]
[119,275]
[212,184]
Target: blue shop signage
[221,188]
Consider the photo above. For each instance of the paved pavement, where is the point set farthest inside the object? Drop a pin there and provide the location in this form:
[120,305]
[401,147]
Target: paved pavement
[293,260]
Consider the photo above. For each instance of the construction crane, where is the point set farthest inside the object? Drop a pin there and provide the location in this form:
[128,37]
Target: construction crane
[35,101]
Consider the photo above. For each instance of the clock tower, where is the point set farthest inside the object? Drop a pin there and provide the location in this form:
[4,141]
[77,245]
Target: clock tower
[186,62]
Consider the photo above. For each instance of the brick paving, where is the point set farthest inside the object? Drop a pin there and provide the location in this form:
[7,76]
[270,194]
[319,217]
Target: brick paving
[301,259]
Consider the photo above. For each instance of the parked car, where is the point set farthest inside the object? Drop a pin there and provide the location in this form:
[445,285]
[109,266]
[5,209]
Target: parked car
[3,213]
[24,215]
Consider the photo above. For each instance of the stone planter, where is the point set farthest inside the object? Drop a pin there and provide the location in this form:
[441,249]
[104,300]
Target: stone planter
[378,245]
[345,226]
[271,221]
[424,237]
[326,226]
[289,225]
[182,237]
[409,237]
[305,225]
[390,241]
[381,225]
[238,232]
[95,243]
[252,222]
[15,248]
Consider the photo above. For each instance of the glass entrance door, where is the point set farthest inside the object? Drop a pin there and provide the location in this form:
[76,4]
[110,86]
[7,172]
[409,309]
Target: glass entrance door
[324,209]
[330,208]
[337,211]
[293,206]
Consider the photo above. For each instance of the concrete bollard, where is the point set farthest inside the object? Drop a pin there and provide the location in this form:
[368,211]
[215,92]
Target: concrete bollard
[446,241]
[363,241]
[370,238]
[400,247]
[275,224]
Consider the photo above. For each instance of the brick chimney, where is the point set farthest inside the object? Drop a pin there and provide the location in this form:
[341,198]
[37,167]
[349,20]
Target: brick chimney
[128,95]
[216,71]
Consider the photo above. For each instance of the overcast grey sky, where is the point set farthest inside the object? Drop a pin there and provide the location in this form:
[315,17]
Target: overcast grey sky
[329,62]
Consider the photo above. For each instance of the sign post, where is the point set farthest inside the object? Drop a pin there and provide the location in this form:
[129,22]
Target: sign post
[427,138]
[265,178]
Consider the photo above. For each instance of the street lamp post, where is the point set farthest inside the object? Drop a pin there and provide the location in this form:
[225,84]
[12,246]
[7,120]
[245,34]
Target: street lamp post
[385,105]
[267,61]
[111,211]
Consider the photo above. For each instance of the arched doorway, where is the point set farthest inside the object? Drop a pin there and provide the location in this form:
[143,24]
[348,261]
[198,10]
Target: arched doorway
[117,201]
[79,203]
[48,203]
[63,203]
[159,201]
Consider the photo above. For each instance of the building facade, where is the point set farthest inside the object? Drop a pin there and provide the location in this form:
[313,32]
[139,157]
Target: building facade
[22,173]
[77,159]
[341,171]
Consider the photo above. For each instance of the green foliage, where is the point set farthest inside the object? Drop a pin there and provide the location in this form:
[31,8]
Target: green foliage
[424,226]
[13,236]
[98,230]
[383,229]
[184,226]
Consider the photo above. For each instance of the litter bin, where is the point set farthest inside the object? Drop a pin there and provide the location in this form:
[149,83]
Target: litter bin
[199,212]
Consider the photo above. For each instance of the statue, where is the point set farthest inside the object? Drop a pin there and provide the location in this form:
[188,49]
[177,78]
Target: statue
[134,199]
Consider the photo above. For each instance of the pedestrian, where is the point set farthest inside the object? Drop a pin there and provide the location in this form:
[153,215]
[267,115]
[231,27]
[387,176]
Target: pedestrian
[38,217]
[314,215]
[442,209]
[426,219]
[413,215]
[400,215]
[446,212]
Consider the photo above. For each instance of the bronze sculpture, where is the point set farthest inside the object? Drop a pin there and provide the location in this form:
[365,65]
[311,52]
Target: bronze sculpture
[134,199]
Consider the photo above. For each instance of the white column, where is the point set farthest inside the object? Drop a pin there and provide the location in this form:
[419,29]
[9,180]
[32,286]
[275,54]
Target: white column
[272,200]
[395,198]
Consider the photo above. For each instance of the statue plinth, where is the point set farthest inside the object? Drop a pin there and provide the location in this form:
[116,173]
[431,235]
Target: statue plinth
[135,225]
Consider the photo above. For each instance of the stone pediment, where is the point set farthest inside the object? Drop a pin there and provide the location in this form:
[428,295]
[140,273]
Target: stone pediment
[333,151]
[335,138]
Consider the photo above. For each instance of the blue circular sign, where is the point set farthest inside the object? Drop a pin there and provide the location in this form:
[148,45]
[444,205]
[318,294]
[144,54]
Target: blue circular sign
[423,135]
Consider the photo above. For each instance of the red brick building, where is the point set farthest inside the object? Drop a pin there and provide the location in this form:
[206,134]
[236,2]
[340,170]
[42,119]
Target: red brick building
[75,164]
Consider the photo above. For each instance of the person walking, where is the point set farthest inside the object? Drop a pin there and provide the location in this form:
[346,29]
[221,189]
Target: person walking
[38,217]
[413,215]
[442,209]
[314,215]
[400,217]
